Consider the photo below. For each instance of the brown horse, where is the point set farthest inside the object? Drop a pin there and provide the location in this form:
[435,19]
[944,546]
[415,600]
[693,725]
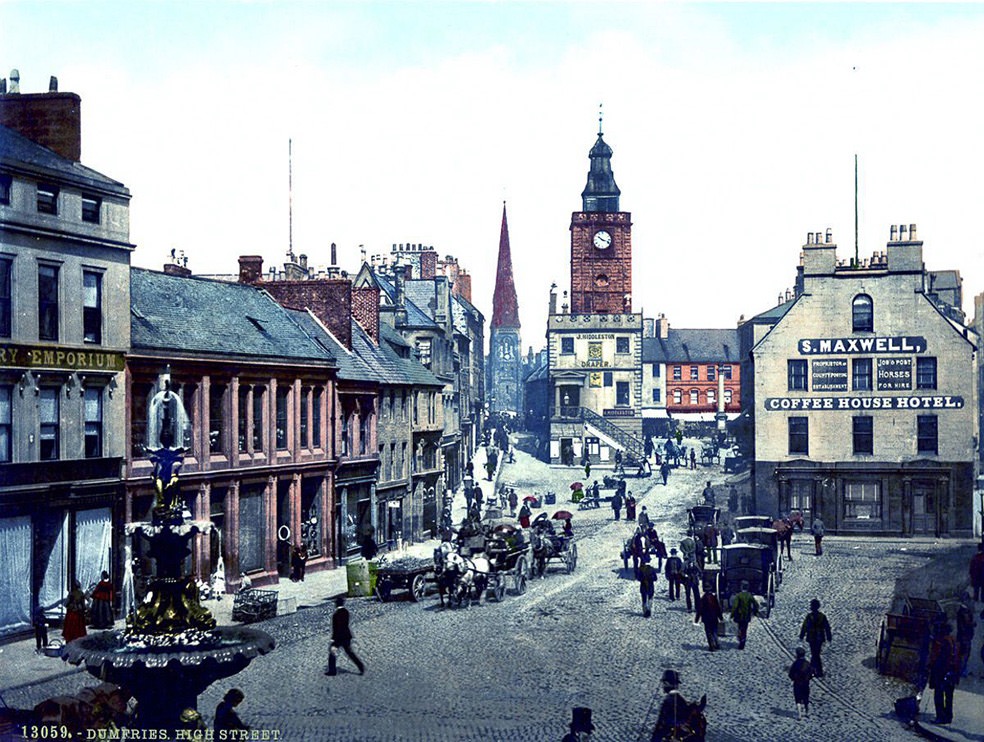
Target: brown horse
[784,529]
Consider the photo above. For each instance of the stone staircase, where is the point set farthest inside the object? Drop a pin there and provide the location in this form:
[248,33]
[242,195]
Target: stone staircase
[621,438]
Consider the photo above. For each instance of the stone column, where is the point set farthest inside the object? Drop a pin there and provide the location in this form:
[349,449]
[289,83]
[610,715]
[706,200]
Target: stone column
[230,539]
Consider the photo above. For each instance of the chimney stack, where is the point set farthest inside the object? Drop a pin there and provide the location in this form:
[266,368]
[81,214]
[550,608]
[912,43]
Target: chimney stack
[552,307]
[51,119]
[250,268]
[662,327]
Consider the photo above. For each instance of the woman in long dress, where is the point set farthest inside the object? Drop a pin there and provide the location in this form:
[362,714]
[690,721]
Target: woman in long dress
[74,613]
[102,603]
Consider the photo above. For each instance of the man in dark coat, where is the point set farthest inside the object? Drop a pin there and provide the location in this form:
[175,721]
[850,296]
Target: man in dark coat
[976,570]
[226,717]
[617,505]
[944,673]
[664,472]
[647,577]
[709,612]
[800,673]
[674,712]
[674,574]
[816,631]
[691,585]
[965,631]
[341,633]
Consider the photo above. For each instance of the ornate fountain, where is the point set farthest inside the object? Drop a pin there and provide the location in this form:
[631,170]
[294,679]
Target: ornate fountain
[171,649]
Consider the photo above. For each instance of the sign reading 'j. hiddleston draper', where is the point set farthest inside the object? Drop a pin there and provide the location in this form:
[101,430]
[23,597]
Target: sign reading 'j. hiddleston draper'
[774,404]
[823,346]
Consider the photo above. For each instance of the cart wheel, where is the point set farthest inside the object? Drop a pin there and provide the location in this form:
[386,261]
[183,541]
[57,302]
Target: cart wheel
[383,590]
[524,568]
[500,590]
[572,558]
[520,584]
[418,587]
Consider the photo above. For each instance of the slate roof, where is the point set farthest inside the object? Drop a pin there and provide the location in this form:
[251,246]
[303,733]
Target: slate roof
[416,317]
[697,346]
[421,292]
[413,371]
[17,150]
[203,316]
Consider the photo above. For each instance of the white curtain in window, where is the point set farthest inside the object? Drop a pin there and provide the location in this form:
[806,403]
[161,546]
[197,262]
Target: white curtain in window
[54,585]
[93,540]
[15,573]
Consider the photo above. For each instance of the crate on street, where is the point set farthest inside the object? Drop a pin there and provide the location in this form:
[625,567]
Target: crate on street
[254,605]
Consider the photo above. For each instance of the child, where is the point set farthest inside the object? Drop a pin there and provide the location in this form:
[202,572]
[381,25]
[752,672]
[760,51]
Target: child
[800,673]
[40,629]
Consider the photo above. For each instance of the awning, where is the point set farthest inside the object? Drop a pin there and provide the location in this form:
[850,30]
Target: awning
[700,417]
[655,412]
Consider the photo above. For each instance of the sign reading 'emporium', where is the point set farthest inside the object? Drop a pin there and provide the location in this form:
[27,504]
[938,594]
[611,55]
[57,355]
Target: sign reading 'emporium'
[822,346]
[864,403]
[27,356]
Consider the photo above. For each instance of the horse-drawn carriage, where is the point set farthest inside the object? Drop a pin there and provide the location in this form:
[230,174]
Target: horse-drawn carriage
[548,545]
[483,562]
[752,521]
[642,545]
[751,563]
[903,642]
[700,516]
[768,537]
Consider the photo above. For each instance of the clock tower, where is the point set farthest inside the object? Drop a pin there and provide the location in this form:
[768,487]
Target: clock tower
[601,242]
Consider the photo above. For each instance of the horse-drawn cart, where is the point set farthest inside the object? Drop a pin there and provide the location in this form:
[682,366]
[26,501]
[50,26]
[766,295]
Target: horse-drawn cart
[508,552]
[406,573]
[767,537]
[751,563]
[699,516]
[904,638]
[549,546]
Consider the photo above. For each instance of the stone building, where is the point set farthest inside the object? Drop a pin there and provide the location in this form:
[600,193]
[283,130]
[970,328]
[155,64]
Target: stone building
[64,334]
[505,345]
[260,397]
[595,349]
[864,396]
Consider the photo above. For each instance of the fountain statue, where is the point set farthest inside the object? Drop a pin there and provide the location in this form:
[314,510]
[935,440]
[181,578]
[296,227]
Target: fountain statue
[171,649]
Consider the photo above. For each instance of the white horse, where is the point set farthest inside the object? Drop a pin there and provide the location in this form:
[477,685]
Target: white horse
[472,576]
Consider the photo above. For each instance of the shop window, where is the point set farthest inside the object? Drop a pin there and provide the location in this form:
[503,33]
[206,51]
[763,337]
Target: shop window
[6,308]
[796,375]
[799,436]
[91,307]
[47,302]
[621,345]
[863,431]
[863,314]
[622,393]
[862,500]
[927,434]
[93,423]
[49,416]
[926,372]
[861,374]
[6,422]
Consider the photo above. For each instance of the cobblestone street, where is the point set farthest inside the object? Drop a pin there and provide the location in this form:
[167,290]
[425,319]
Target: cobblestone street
[513,670]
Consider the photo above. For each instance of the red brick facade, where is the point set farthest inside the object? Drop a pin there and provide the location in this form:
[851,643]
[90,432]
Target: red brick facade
[365,310]
[601,278]
[53,120]
[702,385]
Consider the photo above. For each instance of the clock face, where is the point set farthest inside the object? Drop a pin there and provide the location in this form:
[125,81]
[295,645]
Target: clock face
[602,240]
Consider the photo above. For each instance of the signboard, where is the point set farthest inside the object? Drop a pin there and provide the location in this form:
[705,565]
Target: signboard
[894,373]
[37,356]
[829,375]
[824,346]
[773,404]
[619,412]
[596,379]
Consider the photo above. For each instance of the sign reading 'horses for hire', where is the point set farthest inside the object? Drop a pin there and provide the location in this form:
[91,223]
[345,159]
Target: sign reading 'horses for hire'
[821,346]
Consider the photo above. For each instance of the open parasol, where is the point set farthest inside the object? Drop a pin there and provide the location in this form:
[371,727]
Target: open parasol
[563,515]
[577,486]
[529,498]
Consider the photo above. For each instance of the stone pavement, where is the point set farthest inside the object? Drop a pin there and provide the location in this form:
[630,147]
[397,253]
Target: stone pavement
[512,670]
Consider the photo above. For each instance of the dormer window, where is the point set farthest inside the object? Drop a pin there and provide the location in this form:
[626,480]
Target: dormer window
[863,314]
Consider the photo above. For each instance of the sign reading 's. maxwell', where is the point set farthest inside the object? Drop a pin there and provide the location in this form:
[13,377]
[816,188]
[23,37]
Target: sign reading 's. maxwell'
[821,346]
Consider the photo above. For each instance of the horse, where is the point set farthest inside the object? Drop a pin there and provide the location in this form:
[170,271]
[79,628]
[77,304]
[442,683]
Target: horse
[640,546]
[543,548]
[472,576]
[689,724]
[784,529]
[444,575]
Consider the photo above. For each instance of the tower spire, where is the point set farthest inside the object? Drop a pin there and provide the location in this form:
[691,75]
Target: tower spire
[601,194]
[505,304]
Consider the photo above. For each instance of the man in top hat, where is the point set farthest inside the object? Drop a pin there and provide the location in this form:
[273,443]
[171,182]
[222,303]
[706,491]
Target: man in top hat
[674,573]
[580,726]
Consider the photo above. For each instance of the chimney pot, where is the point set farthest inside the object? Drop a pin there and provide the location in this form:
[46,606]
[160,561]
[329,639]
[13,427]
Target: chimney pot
[912,232]
[53,84]
[893,233]
[809,238]
[830,235]
[901,233]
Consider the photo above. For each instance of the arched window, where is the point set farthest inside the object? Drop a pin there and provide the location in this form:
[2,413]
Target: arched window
[863,313]
[694,397]
[677,396]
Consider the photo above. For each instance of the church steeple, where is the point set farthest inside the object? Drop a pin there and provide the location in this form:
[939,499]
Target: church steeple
[505,305]
[600,194]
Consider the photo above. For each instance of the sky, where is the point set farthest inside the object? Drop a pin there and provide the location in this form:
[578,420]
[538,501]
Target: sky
[734,129]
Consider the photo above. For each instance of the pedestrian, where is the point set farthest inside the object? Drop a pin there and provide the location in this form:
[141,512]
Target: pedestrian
[226,717]
[673,572]
[817,530]
[708,495]
[644,523]
[711,542]
[659,546]
[341,637]
[700,552]
[630,507]
[618,462]
[470,469]
[664,472]
[743,607]
[40,622]
[801,672]
[692,575]
[524,515]
[513,501]
[580,726]
[478,497]
[977,573]
[368,549]
[647,577]
[693,458]
[74,626]
[489,468]
[298,560]
[732,499]
[617,504]
[944,672]
[678,718]
[469,495]
[709,613]
[816,631]
[965,631]
[102,603]
[587,466]
[727,534]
